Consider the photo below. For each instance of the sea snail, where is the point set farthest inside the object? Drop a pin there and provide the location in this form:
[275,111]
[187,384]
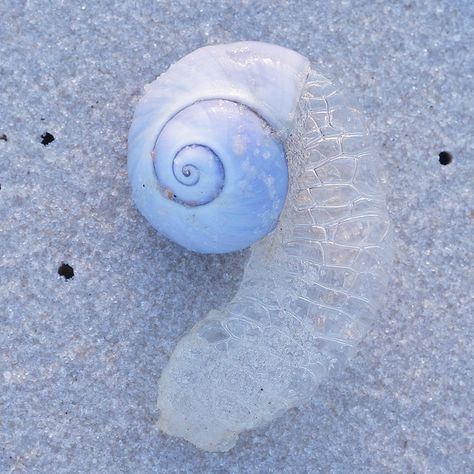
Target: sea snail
[246,144]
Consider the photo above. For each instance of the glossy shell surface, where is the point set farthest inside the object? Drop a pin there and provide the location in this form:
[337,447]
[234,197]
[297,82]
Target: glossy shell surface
[206,147]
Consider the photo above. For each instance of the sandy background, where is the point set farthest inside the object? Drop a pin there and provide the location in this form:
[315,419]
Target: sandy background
[80,358]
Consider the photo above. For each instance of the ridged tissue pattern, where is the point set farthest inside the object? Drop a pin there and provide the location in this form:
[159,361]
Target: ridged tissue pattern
[309,292]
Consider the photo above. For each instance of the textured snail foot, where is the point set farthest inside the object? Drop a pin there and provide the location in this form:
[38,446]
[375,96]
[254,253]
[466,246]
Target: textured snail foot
[203,392]
[216,386]
[191,419]
[193,424]
[187,397]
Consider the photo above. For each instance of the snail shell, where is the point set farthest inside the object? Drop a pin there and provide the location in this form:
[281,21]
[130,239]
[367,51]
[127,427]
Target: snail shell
[206,148]
[245,144]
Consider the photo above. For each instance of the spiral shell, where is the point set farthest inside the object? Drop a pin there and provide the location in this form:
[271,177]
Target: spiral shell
[206,157]
[230,141]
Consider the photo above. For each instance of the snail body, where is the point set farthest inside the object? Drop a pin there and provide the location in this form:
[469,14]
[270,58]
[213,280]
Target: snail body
[246,144]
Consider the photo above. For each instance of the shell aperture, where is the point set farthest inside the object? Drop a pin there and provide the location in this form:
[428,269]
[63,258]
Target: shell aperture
[313,285]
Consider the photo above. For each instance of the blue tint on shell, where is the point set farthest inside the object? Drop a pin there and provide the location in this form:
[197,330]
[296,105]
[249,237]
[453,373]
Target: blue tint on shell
[222,177]
[238,101]
[198,175]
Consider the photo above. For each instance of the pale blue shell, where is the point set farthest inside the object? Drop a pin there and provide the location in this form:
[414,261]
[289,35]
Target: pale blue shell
[206,157]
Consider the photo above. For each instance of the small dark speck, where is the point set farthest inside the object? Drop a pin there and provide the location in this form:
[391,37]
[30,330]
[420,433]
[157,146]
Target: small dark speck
[261,389]
[445,158]
[47,138]
[66,271]
[3,137]
[42,118]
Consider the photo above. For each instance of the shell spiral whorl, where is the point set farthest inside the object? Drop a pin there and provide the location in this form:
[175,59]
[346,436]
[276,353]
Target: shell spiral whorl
[203,152]
[266,139]
[188,165]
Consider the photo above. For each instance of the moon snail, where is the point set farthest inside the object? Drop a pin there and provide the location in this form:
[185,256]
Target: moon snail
[247,144]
